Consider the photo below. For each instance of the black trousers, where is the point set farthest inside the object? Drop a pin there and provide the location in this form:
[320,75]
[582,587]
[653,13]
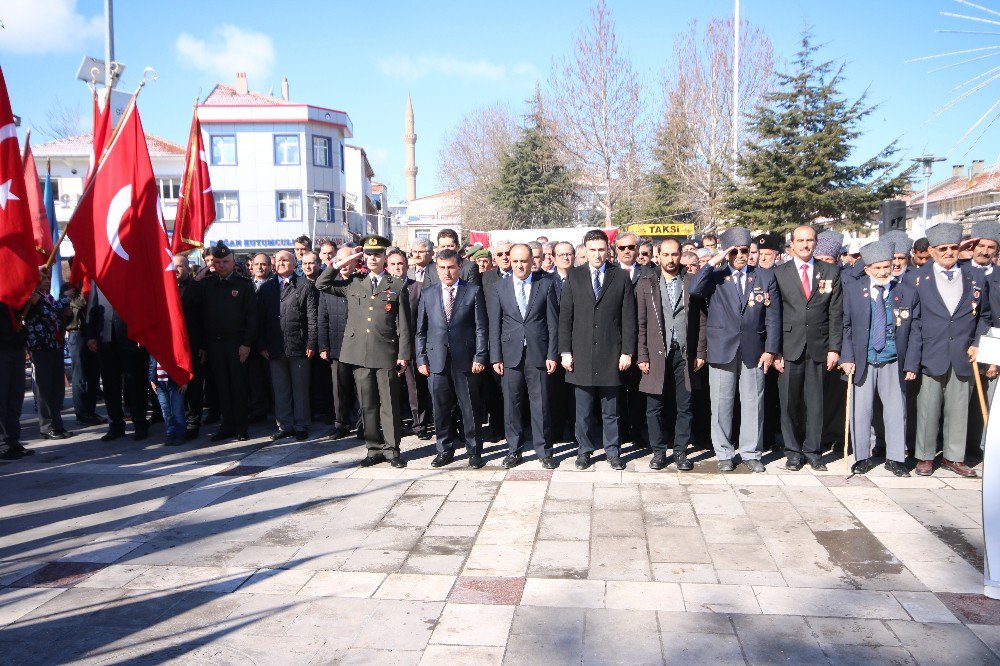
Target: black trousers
[259,391]
[379,394]
[772,409]
[86,376]
[346,408]
[11,393]
[419,398]
[194,394]
[562,407]
[455,385]
[320,390]
[801,389]
[526,398]
[589,431]
[668,415]
[633,408]
[231,380]
[124,372]
[49,388]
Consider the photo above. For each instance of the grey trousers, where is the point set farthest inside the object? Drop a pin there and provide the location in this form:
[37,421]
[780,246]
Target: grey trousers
[882,379]
[724,380]
[290,381]
[949,394]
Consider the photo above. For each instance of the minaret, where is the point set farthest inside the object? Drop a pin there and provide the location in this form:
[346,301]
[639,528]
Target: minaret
[411,154]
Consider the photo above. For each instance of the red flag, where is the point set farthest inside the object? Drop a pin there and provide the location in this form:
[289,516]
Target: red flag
[196,204]
[18,258]
[36,206]
[102,131]
[119,236]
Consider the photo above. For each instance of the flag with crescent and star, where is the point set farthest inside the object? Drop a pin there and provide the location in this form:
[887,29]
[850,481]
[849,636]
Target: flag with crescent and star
[18,256]
[196,204]
[120,238]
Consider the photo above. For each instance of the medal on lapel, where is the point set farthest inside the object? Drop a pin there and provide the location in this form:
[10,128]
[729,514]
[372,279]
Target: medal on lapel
[235,292]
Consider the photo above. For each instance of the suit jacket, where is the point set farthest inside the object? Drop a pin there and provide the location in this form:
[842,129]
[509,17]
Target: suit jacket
[287,317]
[636,273]
[463,340]
[533,338]
[469,272]
[377,333]
[651,338]
[331,322]
[751,325]
[596,331]
[946,337]
[904,300]
[810,329]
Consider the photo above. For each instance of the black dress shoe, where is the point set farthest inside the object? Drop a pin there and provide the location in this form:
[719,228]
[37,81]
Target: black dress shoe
[8,452]
[616,463]
[864,466]
[397,462]
[112,435]
[340,431]
[512,460]
[754,465]
[424,433]
[52,434]
[897,468]
[793,464]
[242,436]
[548,462]
[817,465]
[281,434]
[476,461]
[682,462]
[140,435]
[658,461]
[301,435]
[582,461]
[726,466]
[21,450]
[372,459]
[220,436]
[192,433]
[442,459]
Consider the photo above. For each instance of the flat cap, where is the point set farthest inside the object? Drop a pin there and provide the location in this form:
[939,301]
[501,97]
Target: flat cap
[374,244]
[945,233]
[774,242]
[220,250]
[828,244]
[900,239]
[735,237]
[880,250]
[988,229]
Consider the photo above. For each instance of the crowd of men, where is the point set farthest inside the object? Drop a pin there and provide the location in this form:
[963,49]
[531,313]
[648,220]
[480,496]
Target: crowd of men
[736,342]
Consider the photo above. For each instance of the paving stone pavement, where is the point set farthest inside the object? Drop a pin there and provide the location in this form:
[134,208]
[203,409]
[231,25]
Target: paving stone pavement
[253,552]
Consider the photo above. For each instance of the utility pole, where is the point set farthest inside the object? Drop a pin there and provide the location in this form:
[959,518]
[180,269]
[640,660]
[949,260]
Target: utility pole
[928,161]
[736,83]
[109,44]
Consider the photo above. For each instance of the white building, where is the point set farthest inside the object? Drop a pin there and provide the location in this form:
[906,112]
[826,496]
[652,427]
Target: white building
[362,214]
[424,217]
[277,168]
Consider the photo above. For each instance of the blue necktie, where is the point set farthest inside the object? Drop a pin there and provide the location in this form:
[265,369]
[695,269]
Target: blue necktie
[597,283]
[878,319]
[947,274]
[522,301]
[739,284]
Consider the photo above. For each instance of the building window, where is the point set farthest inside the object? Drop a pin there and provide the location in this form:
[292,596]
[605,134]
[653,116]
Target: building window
[342,156]
[321,151]
[421,234]
[324,207]
[290,206]
[286,149]
[224,150]
[343,207]
[227,206]
[170,188]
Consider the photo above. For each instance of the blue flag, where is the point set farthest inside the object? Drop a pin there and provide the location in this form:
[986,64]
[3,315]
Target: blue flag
[50,212]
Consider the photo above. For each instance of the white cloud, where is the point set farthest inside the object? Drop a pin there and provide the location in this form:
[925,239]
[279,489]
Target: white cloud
[411,68]
[47,26]
[229,50]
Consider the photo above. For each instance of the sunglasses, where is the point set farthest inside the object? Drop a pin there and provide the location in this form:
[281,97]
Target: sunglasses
[644,254]
[502,254]
[630,248]
[946,248]
[741,250]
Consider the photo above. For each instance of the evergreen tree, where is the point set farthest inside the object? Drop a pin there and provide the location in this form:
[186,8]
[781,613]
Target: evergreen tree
[665,185]
[797,168]
[533,188]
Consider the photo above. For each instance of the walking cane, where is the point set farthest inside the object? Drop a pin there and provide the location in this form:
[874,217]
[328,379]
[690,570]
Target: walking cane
[847,420]
[979,392]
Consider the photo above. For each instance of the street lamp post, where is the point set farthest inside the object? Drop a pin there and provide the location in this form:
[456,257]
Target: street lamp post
[317,200]
[928,161]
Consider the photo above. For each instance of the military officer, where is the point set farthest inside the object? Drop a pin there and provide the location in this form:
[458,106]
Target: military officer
[377,344]
[227,304]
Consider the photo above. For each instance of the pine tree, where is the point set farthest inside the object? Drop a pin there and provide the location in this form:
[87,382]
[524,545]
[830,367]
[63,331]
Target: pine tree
[533,188]
[797,168]
[664,202]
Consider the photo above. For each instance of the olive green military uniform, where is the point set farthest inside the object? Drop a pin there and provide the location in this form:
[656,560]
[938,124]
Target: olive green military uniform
[376,336]
[226,316]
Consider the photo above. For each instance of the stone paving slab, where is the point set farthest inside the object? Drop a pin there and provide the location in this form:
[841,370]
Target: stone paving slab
[250,552]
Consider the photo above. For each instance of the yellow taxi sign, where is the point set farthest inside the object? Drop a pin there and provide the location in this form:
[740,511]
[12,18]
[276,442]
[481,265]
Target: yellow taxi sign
[658,229]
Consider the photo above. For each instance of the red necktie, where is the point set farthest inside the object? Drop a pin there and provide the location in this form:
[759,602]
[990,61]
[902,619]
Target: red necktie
[806,284]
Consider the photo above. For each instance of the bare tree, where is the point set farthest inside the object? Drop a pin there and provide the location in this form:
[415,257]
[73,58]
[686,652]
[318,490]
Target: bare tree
[470,161]
[595,106]
[694,137]
[62,121]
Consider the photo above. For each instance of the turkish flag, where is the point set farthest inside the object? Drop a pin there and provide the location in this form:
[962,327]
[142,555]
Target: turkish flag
[18,258]
[36,206]
[101,134]
[118,233]
[196,204]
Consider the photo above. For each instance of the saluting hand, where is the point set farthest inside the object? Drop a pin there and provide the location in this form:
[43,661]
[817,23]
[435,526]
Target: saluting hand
[721,257]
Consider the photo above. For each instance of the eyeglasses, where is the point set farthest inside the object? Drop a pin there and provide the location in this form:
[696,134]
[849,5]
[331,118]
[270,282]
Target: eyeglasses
[946,248]
[741,250]
[502,254]
[630,248]
[644,254]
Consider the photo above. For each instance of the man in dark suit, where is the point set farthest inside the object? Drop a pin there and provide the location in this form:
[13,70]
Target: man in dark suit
[880,353]
[812,322]
[492,389]
[562,399]
[331,322]
[597,329]
[288,340]
[633,401]
[954,312]
[672,346]
[417,393]
[447,239]
[744,336]
[523,349]
[451,350]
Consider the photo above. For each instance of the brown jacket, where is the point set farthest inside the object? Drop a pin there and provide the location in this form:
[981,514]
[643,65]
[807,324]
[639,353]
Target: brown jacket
[651,347]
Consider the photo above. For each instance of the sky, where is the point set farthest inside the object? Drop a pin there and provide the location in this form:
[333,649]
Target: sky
[454,57]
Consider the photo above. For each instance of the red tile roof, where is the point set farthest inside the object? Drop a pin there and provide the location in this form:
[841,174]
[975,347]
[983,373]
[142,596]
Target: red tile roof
[81,145]
[953,188]
[224,95]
